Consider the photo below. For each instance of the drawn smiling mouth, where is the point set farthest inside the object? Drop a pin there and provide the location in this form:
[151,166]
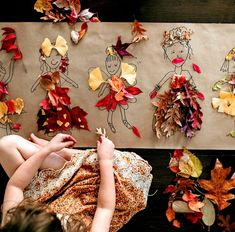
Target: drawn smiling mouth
[54,63]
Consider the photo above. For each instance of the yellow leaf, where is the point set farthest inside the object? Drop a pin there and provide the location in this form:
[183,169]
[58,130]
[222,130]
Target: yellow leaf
[3,109]
[41,5]
[196,165]
[95,79]
[19,105]
[128,73]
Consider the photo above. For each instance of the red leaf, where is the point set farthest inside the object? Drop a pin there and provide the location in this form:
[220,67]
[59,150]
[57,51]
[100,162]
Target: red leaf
[200,95]
[153,94]
[136,131]
[16,126]
[94,20]
[196,68]
[10,37]
[18,55]
[133,90]
[169,189]
[177,60]
[11,106]
[79,118]
[193,217]
[8,30]
[121,48]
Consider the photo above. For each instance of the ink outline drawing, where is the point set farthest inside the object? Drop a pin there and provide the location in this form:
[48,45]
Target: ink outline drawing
[119,79]
[177,108]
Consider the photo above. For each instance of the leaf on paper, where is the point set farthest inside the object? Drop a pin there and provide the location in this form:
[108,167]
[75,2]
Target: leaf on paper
[232,133]
[120,48]
[196,68]
[225,103]
[218,85]
[138,32]
[219,186]
[136,131]
[76,36]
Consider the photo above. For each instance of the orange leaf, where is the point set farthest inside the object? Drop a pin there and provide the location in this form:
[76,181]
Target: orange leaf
[219,186]
[170,214]
[76,36]
[138,32]
[176,224]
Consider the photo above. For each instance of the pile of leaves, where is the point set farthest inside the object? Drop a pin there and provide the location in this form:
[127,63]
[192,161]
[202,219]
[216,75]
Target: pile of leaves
[70,10]
[55,113]
[9,107]
[178,108]
[225,103]
[199,200]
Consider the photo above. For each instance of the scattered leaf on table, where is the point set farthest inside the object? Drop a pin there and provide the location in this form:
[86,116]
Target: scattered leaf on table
[138,32]
[181,207]
[43,5]
[225,223]
[208,212]
[219,186]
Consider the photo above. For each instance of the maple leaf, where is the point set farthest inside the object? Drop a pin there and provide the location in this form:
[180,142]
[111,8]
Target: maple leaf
[218,186]
[224,222]
[120,48]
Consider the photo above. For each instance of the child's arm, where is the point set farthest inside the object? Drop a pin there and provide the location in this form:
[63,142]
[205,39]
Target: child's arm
[106,195]
[25,172]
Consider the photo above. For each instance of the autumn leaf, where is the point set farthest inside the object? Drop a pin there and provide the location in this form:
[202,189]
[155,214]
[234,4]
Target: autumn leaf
[121,48]
[138,32]
[219,186]
[225,223]
[170,214]
[43,5]
[76,36]
[196,68]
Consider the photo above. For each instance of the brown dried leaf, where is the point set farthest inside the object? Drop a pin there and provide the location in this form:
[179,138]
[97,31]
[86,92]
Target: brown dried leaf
[218,186]
[224,222]
[43,5]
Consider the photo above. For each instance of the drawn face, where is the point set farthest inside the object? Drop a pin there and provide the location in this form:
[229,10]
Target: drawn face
[2,71]
[177,52]
[54,59]
[112,63]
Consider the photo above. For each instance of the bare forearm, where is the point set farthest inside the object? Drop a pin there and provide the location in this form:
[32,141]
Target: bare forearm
[107,195]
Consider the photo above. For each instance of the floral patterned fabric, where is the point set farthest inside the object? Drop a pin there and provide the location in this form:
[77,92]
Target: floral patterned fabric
[73,190]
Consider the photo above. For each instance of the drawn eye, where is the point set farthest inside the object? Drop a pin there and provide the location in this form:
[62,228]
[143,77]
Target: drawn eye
[181,51]
[115,65]
[109,66]
[172,52]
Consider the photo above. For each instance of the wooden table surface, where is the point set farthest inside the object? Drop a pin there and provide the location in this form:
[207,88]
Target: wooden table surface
[193,11]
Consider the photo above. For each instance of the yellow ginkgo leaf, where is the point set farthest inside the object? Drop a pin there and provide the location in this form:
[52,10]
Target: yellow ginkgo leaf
[95,79]
[43,5]
[61,45]
[226,103]
[3,109]
[46,47]
[19,105]
[128,73]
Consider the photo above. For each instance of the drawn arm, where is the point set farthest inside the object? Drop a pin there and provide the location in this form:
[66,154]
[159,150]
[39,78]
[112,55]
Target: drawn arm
[69,80]
[11,71]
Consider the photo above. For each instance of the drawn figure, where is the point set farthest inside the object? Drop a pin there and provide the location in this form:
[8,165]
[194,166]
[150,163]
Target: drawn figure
[119,81]
[225,103]
[177,107]
[55,113]
[9,107]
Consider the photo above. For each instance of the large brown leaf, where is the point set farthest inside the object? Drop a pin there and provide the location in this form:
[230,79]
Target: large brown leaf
[219,186]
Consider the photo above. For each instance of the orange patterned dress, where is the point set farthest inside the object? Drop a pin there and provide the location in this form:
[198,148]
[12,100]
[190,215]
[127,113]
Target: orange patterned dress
[73,190]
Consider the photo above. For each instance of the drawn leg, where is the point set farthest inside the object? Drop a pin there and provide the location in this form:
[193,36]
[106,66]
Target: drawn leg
[110,121]
[124,119]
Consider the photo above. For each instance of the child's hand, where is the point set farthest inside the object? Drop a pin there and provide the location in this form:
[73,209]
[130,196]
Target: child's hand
[60,141]
[105,148]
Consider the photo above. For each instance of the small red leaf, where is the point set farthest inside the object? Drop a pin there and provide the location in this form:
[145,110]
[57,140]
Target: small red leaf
[153,94]
[200,95]
[196,68]
[8,30]
[136,131]
[16,126]
[177,60]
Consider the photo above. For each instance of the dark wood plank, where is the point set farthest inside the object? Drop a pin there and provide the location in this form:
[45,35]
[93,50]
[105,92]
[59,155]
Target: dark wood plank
[195,11]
